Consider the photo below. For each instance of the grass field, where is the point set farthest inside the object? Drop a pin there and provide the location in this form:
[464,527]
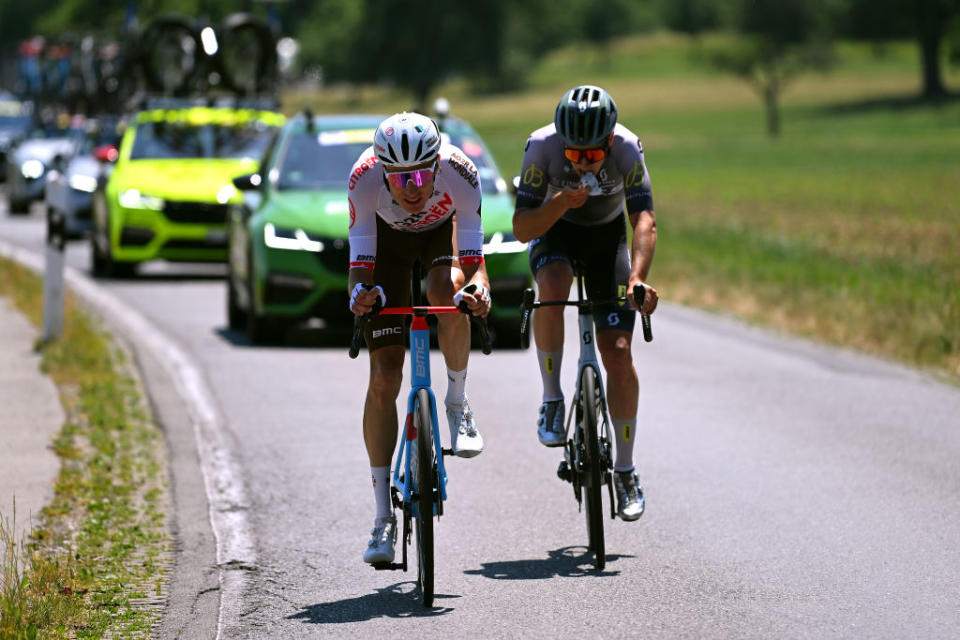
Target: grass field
[95,563]
[846,228]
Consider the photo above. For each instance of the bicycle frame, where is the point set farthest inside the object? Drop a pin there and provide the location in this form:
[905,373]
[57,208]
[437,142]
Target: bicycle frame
[419,379]
[588,360]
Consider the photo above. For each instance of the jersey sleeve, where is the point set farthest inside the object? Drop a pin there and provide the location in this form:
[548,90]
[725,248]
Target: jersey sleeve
[533,176]
[468,203]
[362,200]
[636,180]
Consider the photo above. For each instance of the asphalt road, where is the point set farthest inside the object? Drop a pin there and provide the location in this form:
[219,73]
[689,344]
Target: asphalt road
[792,490]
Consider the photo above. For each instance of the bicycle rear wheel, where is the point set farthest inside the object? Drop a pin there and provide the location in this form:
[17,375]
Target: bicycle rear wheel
[592,466]
[425,475]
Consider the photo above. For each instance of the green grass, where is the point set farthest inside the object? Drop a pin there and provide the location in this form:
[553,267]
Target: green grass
[95,562]
[846,228]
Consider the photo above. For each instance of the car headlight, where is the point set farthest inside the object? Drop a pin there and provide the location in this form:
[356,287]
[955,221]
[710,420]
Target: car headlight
[503,243]
[80,182]
[294,239]
[31,169]
[133,199]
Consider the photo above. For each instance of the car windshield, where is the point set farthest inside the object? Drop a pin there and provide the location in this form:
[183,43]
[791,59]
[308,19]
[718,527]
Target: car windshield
[321,160]
[156,140]
[464,137]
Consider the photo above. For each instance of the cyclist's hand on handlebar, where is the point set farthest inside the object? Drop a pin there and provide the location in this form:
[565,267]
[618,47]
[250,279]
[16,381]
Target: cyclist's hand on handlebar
[650,298]
[364,297]
[477,298]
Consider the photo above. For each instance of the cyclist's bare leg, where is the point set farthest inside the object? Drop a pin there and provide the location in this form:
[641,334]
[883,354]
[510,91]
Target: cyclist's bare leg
[553,282]
[623,387]
[453,329]
[380,407]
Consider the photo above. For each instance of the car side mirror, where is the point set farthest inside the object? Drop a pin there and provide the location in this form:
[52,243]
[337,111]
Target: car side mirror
[514,184]
[106,153]
[249,182]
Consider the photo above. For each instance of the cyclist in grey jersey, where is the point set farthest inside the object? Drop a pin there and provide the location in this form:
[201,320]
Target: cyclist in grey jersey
[565,218]
[622,179]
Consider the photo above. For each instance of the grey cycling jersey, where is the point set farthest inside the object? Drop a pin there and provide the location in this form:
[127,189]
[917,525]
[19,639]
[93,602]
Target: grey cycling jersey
[623,177]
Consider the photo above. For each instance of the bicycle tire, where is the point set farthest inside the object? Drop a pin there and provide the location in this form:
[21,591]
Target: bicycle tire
[593,464]
[425,475]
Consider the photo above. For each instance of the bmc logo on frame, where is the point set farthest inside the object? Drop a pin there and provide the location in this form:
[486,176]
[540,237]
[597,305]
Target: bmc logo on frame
[387,331]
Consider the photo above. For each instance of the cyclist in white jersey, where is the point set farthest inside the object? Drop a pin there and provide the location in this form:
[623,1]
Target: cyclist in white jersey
[413,197]
[580,175]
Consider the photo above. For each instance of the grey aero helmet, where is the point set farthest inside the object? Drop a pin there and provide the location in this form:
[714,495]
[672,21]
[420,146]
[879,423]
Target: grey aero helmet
[405,140]
[585,116]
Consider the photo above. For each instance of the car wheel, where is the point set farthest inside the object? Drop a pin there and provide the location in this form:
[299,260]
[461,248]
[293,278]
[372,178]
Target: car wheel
[504,334]
[236,317]
[19,207]
[102,264]
[260,329]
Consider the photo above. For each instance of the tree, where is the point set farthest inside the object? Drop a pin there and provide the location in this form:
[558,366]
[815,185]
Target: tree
[778,39]
[929,21]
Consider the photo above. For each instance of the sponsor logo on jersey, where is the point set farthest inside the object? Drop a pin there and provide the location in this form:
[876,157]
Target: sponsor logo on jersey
[470,256]
[443,206]
[435,213]
[465,168]
[364,261]
[634,177]
[353,213]
[533,176]
[366,165]
[387,331]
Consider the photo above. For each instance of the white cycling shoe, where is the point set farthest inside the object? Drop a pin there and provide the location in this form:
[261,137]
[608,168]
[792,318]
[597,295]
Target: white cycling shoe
[383,536]
[465,437]
[630,502]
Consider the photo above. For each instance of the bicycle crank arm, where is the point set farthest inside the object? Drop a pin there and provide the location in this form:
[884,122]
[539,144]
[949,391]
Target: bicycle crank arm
[388,566]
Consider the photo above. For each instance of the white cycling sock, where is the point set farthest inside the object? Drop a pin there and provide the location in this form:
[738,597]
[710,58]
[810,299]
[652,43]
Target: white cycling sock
[625,432]
[550,372]
[456,386]
[381,491]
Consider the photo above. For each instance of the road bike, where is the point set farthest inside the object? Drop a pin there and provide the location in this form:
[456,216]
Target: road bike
[419,487]
[588,453]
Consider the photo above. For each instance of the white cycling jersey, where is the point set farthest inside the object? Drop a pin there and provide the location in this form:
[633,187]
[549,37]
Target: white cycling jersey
[456,189]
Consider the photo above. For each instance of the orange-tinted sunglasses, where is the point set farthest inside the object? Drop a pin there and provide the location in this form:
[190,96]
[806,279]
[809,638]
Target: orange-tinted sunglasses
[592,155]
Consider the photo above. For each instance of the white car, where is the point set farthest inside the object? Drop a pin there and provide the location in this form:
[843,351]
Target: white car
[73,178]
[29,163]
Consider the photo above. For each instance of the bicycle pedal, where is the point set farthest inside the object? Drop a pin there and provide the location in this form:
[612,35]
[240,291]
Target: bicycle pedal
[447,452]
[387,566]
[563,471]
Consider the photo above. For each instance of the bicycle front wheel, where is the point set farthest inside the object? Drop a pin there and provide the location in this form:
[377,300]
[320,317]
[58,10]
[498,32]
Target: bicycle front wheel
[592,465]
[425,475]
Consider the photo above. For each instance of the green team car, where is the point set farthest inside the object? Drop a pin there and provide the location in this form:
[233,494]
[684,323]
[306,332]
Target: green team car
[289,251]
[168,194]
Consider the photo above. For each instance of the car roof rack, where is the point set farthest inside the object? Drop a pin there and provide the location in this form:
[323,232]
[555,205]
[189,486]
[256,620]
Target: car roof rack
[263,103]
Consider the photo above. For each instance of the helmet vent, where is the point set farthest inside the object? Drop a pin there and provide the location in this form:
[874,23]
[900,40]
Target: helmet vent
[404,146]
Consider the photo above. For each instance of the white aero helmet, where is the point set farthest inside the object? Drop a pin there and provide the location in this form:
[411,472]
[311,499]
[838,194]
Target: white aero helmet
[405,140]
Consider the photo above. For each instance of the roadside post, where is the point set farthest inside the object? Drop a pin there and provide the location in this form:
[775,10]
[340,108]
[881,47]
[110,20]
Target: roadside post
[53,289]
